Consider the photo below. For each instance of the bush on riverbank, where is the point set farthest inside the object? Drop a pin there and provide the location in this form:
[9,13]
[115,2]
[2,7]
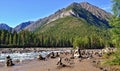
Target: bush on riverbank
[113,59]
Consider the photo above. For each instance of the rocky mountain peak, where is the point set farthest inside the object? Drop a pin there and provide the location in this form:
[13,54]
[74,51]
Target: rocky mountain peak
[80,10]
[4,26]
[100,13]
[21,26]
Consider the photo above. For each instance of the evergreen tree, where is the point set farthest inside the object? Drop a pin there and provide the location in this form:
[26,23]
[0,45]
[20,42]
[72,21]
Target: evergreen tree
[10,39]
[2,37]
[15,38]
[7,39]
[116,7]
[115,23]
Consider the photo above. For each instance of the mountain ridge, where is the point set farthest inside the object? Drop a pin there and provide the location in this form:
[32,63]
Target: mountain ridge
[18,28]
[21,26]
[74,9]
[100,15]
[87,6]
[4,26]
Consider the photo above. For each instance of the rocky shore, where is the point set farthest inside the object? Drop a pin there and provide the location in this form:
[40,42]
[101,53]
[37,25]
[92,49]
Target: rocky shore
[58,61]
[50,64]
[26,50]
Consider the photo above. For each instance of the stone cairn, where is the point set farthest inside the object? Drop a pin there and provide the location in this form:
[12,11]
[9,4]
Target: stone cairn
[57,54]
[72,53]
[8,61]
[40,57]
[60,61]
[52,55]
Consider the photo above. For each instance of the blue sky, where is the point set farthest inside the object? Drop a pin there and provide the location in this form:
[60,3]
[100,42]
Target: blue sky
[14,12]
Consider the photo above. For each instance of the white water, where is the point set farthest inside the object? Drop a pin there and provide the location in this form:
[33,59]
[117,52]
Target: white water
[24,56]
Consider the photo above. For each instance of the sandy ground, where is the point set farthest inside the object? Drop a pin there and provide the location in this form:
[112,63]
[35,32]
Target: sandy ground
[50,65]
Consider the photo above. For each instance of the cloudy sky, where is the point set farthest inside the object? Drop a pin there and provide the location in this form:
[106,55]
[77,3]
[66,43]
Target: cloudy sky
[13,12]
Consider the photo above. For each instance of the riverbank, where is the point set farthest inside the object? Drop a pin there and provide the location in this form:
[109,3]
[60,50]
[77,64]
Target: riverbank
[25,50]
[88,63]
[50,65]
[28,53]
[36,49]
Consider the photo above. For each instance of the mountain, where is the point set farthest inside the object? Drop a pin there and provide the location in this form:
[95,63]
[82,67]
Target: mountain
[92,14]
[4,26]
[99,13]
[75,22]
[20,27]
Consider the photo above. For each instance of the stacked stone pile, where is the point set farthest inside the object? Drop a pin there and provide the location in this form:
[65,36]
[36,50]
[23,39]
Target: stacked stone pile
[9,61]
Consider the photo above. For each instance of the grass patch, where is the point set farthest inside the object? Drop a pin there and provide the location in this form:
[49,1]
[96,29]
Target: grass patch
[112,59]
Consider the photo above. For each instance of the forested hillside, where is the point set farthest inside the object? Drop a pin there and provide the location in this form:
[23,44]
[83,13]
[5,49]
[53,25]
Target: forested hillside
[64,32]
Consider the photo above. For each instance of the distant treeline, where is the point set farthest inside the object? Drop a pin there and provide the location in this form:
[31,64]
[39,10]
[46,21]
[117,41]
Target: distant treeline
[31,39]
